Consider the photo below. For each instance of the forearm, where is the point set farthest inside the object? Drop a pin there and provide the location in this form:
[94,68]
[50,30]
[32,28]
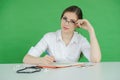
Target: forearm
[95,55]
[31,60]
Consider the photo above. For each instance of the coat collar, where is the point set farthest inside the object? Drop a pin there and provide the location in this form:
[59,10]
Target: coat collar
[73,40]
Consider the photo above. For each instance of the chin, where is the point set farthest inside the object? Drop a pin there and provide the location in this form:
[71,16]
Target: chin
[66,31]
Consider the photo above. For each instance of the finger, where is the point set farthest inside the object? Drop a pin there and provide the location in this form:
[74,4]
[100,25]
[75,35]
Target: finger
[49,58]
[53,58]
[79,23]
[47,62]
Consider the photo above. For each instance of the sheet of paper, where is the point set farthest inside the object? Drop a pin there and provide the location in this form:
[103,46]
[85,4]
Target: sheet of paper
[62,65]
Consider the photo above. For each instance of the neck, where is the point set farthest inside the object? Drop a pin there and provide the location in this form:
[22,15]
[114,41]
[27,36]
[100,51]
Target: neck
[67,36]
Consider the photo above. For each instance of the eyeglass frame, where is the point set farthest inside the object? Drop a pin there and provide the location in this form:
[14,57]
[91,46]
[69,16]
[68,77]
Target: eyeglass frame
[72,22]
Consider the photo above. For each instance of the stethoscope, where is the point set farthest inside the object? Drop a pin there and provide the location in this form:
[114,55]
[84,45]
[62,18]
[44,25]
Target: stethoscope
[31,69]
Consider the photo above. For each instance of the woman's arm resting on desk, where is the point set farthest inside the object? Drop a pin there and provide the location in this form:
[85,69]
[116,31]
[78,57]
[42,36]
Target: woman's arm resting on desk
[95,55]
[28,59]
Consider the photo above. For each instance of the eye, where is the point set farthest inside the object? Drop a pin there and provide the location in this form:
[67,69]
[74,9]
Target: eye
[72,21]
[64,18]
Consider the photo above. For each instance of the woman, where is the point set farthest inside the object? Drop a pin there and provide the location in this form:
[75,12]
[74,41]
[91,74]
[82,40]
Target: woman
[66,45]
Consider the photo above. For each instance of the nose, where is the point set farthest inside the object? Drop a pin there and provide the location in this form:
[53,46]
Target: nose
[67,23]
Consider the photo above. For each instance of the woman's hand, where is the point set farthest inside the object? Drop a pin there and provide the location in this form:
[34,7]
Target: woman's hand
[83,23]
[47,60]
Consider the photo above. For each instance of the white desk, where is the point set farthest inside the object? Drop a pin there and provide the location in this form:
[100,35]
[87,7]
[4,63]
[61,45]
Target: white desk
[100,71]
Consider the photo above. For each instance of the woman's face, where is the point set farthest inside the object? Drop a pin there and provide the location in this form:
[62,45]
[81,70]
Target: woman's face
[68,22]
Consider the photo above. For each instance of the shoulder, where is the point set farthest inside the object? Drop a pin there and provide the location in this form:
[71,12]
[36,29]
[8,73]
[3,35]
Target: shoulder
[50,35]
[81,39]
[79,36]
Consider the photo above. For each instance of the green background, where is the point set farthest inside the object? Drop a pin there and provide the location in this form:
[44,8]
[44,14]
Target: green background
[24,22]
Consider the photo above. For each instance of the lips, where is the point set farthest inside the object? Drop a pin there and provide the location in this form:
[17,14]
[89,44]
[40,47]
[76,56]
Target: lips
[66,28]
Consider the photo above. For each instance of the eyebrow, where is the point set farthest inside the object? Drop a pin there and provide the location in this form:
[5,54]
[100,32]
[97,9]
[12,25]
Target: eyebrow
[70,19]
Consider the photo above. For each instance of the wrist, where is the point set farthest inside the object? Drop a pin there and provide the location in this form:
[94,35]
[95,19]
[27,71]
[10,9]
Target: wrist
[92,33]
[91,30]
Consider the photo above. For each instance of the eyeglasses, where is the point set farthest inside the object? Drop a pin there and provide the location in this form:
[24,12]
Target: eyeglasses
[71,22]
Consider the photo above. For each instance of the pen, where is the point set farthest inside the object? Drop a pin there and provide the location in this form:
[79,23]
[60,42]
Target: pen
[49,55]
[47,52]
